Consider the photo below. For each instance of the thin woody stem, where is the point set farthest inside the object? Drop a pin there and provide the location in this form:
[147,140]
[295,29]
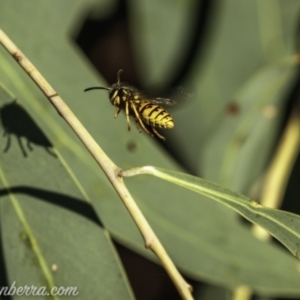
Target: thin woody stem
[108,167]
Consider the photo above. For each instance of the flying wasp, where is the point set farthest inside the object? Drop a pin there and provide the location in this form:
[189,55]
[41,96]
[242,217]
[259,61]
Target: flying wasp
[147,111]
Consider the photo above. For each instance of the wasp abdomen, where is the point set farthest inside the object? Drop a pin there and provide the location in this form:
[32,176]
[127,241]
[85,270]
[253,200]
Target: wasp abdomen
[155,115]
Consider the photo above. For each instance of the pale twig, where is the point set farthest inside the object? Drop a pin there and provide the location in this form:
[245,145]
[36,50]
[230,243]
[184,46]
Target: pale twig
[108,167]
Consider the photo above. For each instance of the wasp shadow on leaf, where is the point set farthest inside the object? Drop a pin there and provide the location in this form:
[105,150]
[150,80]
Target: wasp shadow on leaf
[16,121]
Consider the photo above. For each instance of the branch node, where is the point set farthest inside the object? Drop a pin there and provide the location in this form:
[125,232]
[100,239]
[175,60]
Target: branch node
[54,95]
[17,57]
[119,173]
[149,243]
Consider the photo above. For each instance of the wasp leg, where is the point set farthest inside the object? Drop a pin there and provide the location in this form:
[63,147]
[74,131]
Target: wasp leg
[140,120]
[137,125]
[127,114]
[159,135]
[117,110]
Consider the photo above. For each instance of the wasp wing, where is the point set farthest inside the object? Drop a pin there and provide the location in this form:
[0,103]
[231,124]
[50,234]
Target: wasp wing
[162,101]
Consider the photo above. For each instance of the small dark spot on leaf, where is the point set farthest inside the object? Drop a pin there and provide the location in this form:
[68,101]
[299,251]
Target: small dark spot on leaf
[131,146]
[232,108]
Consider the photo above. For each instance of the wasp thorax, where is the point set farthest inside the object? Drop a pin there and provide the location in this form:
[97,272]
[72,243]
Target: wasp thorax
[119,96]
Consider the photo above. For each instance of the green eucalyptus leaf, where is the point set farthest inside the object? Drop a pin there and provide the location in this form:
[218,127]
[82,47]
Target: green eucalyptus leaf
[283,225]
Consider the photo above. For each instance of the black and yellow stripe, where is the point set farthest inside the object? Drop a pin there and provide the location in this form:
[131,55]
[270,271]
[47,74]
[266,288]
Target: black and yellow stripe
[155,115]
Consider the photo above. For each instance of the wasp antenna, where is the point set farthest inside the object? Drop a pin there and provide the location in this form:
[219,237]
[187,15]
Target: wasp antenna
[97,88]
[119,75]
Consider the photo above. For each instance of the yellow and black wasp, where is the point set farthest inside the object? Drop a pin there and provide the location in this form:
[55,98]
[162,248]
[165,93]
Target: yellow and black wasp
[146,110]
